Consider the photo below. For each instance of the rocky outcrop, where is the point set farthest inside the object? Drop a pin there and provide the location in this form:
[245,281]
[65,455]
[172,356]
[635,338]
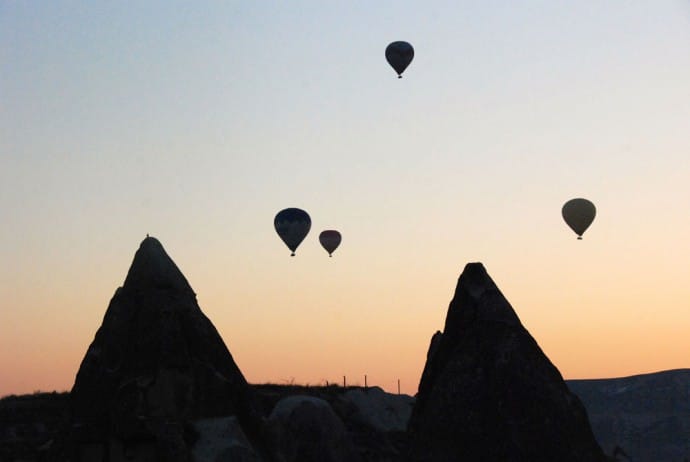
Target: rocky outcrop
[379,410]
[488,392]
[374,421]
[156,364]
[310,431]
[222,438]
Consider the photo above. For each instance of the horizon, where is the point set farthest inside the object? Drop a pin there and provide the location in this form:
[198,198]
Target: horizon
[198,123]
[339,385]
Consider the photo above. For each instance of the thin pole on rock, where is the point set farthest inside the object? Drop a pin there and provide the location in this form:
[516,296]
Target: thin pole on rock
[398,386]
[344,382]
[365,382]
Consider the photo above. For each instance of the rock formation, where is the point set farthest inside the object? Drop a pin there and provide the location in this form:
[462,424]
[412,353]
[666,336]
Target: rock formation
[222,438]
[488,392]
[156,364]
[382,411]
[312,431]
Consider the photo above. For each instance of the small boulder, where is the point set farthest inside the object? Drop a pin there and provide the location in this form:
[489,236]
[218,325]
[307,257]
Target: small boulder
[311,431]
[222,439]
[382,411]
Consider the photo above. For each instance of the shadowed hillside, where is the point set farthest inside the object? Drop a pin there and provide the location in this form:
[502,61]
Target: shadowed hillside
[646,415]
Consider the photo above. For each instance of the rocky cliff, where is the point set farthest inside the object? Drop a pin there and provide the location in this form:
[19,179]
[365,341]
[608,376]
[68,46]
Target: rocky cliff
[155,364]
[489,393]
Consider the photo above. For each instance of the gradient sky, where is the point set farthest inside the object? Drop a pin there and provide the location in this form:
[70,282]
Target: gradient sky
[197,122]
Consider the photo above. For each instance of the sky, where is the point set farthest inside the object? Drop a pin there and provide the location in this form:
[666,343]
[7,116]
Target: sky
[196,122]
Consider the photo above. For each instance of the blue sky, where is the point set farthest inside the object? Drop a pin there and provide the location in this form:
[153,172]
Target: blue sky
[197,122]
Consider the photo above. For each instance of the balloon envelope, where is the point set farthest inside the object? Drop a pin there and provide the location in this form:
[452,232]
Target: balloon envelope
[579,214]
[399,55]
[292,225]
[330,240]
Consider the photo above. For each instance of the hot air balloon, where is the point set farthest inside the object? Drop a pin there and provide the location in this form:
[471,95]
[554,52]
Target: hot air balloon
[579,214]
[330,240]
[292,225]
[399,55]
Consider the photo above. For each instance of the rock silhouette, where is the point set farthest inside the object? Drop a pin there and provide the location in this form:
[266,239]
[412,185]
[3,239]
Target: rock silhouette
[158,384]
[156,364]
[312,431]
[488,392]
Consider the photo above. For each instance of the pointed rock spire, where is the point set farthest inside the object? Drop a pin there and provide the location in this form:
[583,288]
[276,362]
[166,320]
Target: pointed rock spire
[488,392]
[153,268]
[156,362]
[478,299]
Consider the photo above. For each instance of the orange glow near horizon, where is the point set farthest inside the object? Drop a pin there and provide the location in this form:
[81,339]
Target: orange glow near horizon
[327,339]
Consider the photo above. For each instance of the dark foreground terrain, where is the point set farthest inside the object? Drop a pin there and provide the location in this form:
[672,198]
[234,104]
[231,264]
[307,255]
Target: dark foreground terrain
[647,416]
[34,427]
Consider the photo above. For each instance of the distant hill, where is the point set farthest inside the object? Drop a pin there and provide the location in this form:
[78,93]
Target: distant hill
[647,415]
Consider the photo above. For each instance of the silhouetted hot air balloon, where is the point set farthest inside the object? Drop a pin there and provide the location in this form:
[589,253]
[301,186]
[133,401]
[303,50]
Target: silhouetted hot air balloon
[292,225]
[399,55]
[579,214]
[330,240]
